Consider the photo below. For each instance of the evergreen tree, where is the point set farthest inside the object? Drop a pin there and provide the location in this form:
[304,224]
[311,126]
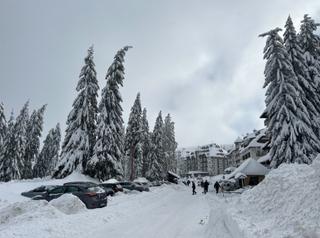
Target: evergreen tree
[310,44]
[288,121]
[33,134]
[308,39]
[300,68]
[14,147]
[3,126]
[79,140]
[146,143]
[133,147]
[109,148]
[49,154]
[154,173]
[157,165]
[169,145]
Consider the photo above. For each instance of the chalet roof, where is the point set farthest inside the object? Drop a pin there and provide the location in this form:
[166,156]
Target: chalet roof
[254,139]
[249,167]
[264,158]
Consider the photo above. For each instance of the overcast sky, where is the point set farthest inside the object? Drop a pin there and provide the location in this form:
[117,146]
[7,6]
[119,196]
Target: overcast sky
[200,61]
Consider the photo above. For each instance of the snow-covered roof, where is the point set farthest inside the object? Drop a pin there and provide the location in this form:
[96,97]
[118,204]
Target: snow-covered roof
[173,174]
[249,167]
[230,169]
[254,140]
[264,158]
[216,151]
[210,150]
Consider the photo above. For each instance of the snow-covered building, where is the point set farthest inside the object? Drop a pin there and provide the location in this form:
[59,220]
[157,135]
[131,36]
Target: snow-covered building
[254,145]
[250,172]
[209,158]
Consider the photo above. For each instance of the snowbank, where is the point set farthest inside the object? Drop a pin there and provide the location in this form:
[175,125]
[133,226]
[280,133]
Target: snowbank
[222,225]
[68,204]
[26,211]
[285,204]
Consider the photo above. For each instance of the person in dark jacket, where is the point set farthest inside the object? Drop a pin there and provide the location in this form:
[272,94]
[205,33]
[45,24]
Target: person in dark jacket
[193,188]
[188,182]
[205,186]
[217,186]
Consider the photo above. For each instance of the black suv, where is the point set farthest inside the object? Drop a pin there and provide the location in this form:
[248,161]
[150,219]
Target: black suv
[90,194]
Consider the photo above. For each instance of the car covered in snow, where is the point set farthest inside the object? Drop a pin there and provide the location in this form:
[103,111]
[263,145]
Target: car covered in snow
[90,194]
[113,184]
[145,185]
[132,186]
[38,191]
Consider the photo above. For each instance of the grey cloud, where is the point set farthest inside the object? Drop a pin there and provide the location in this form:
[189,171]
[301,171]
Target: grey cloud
[200,61]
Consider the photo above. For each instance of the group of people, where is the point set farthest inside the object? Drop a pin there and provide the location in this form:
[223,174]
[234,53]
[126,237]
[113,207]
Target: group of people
[204,185]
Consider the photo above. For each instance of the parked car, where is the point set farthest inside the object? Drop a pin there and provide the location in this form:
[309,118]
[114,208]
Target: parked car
[132,186]
[228,185]
[145,185]
[156,183]
[81,182]
[90,194]
[109,190]
[38,191]
[115,186]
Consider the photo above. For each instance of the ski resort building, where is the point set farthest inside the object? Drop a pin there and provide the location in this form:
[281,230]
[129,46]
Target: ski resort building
[254,145]
[208,159]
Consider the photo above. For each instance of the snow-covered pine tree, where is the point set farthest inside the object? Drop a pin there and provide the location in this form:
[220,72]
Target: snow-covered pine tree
[79,140]
[133,137]
[300,68]
[309,40]
[3,126]
[33,134]
[49,154]
[109,148]
[288,122]
[154,172]
[14,147]
[157,163]
[309,43]
[169,145]
[146,142]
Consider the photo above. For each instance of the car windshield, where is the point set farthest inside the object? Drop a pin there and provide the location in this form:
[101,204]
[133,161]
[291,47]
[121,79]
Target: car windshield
[95,189]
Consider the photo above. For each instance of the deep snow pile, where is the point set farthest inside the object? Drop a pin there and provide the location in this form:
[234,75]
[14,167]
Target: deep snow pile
[285,204]
[68,204]
[26,211]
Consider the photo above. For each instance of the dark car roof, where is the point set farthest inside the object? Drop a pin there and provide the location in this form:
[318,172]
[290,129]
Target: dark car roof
[81,183]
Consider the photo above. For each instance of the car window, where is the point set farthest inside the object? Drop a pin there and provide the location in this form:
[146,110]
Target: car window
[72,189]
[39,189]
[57,190]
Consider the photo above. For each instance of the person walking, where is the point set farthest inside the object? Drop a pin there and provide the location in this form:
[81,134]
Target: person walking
[193,188]
[206,186]
[216,186]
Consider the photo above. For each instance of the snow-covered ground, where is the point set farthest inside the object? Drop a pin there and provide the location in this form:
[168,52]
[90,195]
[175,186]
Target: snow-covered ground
[285,205]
